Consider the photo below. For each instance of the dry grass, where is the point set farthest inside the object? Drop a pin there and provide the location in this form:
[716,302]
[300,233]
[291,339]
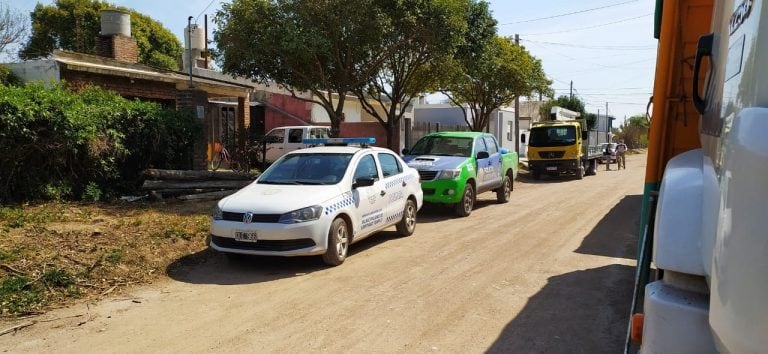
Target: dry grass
[56,253]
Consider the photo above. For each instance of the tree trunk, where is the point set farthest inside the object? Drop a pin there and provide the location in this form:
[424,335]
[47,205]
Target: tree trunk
[391,135]
[335,128]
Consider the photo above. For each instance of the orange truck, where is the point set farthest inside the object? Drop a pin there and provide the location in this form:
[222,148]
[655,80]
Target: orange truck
[702,276]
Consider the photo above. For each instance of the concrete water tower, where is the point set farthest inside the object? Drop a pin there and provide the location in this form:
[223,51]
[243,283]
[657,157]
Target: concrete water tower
[115,22]
[194,40]
[115,41]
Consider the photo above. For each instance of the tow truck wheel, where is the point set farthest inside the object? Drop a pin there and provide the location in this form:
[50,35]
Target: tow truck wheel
[502,194]
[338,243]
[464,207]
[407,224]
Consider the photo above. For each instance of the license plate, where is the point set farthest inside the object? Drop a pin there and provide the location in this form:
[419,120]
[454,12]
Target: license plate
[552,168]
[246,236]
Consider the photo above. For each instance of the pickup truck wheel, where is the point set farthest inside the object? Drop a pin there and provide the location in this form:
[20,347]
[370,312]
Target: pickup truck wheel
[338,243]
[407,224]
[503,192]
[464,207]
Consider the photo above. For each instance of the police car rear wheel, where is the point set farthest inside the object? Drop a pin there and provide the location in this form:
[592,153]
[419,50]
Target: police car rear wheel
[407,224]
[338,243]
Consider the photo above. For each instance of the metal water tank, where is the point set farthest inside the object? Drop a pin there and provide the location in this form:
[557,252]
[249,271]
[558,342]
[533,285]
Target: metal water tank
[115,22]
[198,37]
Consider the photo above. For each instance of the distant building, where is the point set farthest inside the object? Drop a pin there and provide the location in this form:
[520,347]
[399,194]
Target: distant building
[441,117]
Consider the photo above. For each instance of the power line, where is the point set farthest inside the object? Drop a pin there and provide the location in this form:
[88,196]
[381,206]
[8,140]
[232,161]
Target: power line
[619,94]
[206,8]
[612,88]
[568,14]
[620,66]
[589,27]
[602,47]
[629,103]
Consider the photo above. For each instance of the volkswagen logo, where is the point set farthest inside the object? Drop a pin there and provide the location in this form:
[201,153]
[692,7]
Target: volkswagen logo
[247,217]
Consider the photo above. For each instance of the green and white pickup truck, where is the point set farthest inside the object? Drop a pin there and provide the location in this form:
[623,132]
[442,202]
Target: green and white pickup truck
[456,166]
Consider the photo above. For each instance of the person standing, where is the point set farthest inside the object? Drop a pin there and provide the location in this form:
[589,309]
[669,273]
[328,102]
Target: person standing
[621,158]
[607,156]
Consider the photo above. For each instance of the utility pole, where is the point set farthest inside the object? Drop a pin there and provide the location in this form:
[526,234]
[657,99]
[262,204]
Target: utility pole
[571,90]
[189,49]
[517,112]
[607,123]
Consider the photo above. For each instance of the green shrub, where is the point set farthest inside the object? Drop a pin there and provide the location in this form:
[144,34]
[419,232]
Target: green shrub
[18,295]
[93,144]
[7,77]
[114,256]
[58,278]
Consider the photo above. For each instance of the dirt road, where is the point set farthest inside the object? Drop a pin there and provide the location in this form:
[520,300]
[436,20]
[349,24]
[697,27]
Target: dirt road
[549,272]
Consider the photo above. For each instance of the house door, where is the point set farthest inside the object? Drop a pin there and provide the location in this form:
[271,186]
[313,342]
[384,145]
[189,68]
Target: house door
[228,127]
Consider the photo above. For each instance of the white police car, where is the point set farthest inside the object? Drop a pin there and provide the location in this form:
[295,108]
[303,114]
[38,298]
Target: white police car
[319,200]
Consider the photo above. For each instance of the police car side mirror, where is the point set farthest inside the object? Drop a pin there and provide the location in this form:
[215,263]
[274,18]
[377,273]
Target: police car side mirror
[363,182]
[483,155]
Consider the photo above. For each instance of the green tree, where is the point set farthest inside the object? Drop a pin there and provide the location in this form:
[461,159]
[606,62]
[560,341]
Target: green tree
[494,78]
[633,131]
[74,24]
[571,103]
[424,35]
[325,47]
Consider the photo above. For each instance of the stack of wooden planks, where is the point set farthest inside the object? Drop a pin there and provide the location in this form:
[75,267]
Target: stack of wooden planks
[194,185]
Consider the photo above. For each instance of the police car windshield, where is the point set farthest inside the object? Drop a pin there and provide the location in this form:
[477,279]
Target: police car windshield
[307,169]
[443,146]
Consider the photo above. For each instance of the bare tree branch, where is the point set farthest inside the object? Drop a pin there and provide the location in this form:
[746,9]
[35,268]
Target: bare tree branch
[13,28]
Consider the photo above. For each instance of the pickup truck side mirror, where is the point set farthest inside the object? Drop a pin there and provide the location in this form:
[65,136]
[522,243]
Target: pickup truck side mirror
[406,151]
[482,155]
[363,182]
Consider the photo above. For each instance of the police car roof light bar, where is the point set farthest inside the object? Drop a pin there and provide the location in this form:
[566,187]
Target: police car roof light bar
[341,141]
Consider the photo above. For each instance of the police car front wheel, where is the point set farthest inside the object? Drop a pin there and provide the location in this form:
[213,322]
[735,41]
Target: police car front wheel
[338,243]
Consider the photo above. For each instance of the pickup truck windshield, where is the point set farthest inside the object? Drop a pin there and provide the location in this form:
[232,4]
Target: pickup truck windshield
[552,136]
[443,146]
[307,169]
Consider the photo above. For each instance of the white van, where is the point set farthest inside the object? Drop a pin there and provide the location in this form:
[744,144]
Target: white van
[282,140]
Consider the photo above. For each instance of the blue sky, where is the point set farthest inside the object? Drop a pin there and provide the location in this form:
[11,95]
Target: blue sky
[606,47]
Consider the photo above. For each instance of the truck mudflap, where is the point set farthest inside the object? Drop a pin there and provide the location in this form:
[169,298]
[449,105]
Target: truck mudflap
[676,320]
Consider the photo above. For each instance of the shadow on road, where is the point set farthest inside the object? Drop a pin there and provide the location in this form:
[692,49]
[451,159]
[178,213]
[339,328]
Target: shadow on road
[432,212]
[526,177]
[578,312]
[211,267]
[615,235]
